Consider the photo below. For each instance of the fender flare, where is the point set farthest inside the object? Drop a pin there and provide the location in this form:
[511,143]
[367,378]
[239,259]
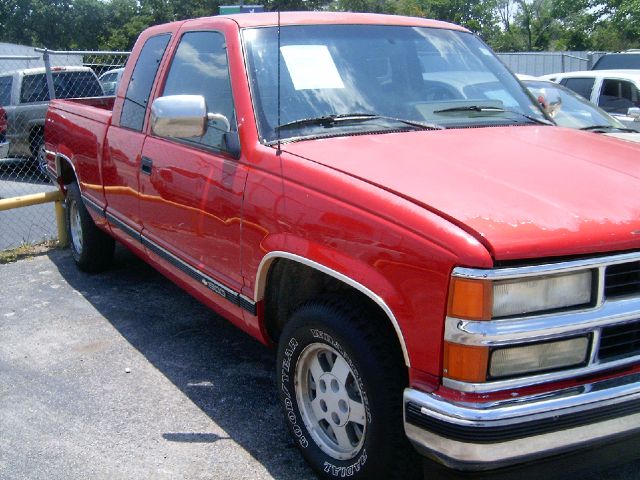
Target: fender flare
[268,259]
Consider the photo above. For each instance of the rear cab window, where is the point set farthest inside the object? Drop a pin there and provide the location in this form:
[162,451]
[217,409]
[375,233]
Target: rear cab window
[142,79]
[66,85]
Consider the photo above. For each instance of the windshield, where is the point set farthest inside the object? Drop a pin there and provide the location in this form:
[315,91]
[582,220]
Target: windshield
[378,77]
[569,109]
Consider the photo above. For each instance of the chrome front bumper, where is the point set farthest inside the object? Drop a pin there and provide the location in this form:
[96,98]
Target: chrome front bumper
[484,436]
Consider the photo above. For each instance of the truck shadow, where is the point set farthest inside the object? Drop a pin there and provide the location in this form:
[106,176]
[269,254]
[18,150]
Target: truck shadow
[231,377]
[227,374]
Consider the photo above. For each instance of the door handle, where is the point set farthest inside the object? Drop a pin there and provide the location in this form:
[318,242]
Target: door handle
[146,165]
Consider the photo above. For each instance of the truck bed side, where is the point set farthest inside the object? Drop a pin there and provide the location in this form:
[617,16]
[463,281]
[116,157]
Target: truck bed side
[77,129]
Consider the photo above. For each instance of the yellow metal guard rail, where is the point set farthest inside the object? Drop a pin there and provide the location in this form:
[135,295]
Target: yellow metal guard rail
[37,199]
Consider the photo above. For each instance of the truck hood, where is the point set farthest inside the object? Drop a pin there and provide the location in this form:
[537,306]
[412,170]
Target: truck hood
[524,191]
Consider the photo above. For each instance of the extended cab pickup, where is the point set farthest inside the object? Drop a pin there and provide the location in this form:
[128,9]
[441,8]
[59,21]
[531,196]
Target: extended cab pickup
[381,199]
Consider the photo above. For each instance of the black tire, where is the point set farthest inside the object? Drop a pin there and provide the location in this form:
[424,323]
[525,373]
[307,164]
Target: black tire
[38,152]
[92,249]
[316,332]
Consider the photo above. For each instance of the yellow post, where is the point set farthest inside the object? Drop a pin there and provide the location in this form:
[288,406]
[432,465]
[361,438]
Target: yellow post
[61,221]
[28,200]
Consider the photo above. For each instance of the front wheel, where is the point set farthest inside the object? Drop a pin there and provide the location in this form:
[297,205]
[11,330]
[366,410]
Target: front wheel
[341,383]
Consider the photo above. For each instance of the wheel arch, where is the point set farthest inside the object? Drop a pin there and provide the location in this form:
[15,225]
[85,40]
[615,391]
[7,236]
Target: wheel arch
[265,270]
[65,170]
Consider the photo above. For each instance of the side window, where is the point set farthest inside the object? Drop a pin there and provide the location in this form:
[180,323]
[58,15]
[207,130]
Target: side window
[200,68]
[139,89]
[34,89]
[617,96]
[582,86]
[5,90]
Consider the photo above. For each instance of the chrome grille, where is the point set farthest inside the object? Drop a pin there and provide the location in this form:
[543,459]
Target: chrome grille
[622,280]
[619,341]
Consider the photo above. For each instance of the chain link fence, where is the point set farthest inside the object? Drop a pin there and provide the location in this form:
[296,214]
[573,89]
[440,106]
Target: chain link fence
[27,83]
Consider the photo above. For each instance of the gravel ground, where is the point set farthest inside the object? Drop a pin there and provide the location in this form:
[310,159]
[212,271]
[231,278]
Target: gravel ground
[122,375]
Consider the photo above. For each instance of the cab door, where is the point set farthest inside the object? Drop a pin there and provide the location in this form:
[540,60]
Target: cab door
[191,190]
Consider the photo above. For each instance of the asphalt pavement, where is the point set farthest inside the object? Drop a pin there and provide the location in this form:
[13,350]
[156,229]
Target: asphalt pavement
[122,375]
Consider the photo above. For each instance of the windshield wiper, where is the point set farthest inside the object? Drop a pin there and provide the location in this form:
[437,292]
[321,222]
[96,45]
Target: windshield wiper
[492,109]
[609,127]
[471,108]
[333,120]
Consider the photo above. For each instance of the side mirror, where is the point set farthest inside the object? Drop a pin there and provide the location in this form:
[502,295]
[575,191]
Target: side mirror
[180,116]
[635,113]
[219,121]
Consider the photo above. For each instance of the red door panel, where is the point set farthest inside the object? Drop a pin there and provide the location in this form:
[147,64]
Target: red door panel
[191,204]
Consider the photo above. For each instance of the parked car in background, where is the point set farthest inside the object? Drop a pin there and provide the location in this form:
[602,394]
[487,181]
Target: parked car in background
[4,145]
[24,95]
[615,91]
[619,60]
[568,109]
[110,80]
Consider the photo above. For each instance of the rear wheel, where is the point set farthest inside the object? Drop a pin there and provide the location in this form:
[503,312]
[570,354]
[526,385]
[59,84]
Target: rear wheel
[341,383]
[92,249]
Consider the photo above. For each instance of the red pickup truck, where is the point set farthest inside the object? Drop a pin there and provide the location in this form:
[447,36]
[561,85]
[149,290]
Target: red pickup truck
[382,199]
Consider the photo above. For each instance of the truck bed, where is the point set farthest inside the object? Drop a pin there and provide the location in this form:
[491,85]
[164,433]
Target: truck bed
[76,129]
[96,108]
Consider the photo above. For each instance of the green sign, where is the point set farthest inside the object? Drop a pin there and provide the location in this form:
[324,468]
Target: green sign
[231,9]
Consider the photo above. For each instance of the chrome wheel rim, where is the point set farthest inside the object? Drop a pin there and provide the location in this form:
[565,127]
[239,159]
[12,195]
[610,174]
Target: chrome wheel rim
[330,401]
[75,226]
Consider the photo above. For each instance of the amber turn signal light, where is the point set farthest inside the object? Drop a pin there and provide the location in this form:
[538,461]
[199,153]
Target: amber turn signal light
[465,363]
[470,299]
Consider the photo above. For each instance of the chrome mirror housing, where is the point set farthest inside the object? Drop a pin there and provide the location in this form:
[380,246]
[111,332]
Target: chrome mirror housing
[635,113]
[180,116]
[219,121]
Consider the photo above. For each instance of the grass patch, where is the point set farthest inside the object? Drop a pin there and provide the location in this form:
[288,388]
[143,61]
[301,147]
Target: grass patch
[26,251]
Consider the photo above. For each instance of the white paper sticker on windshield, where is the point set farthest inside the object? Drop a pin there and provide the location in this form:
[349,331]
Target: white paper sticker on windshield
[311,67]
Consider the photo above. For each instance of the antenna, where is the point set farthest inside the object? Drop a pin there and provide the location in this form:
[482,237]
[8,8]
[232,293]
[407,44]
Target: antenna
[278,149]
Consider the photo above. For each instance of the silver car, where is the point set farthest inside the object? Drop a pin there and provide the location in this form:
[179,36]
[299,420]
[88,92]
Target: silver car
[110,80]
[24,95]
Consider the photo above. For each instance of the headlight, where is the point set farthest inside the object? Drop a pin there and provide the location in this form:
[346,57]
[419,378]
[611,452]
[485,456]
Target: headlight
[540,357]
[477,299]
[519,297]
